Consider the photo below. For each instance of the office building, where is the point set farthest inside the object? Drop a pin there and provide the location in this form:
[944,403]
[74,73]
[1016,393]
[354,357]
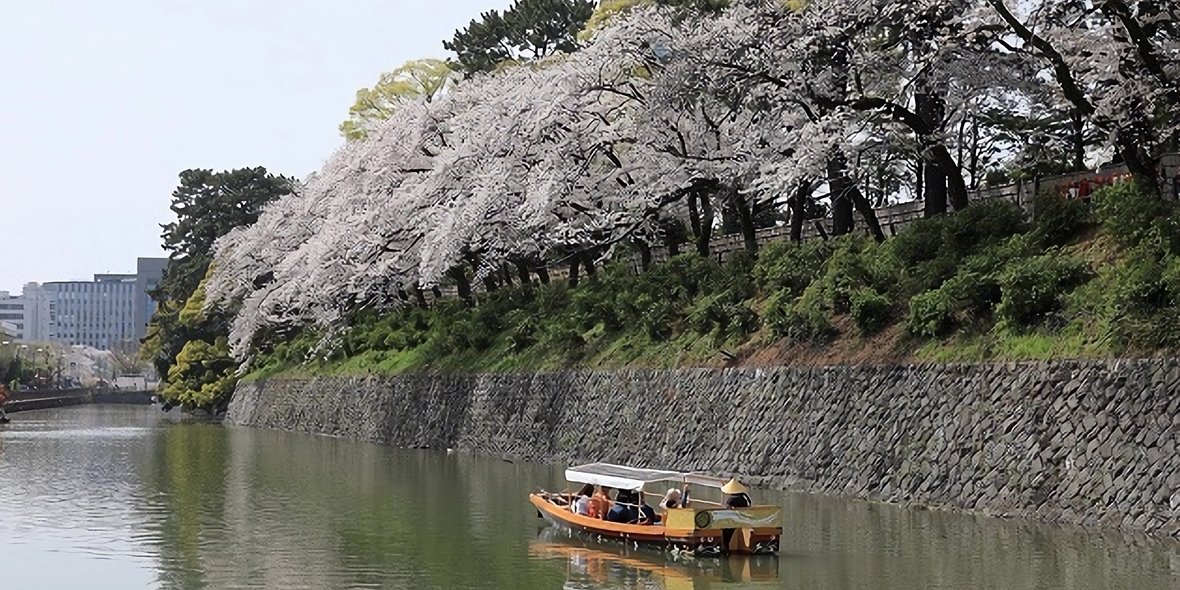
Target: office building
[148,274]
[97,313]
[111,310]
[28,314]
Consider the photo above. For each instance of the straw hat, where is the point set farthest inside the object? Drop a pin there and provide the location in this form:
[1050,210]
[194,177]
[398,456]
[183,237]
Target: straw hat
[734,487]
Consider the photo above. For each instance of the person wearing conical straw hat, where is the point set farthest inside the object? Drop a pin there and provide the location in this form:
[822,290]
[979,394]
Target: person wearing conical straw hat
[736,494]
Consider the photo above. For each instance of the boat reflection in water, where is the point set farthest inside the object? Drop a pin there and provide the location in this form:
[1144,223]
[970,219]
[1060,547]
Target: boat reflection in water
[594,565]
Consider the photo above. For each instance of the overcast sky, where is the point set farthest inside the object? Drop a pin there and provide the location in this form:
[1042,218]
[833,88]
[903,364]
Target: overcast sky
[103,103]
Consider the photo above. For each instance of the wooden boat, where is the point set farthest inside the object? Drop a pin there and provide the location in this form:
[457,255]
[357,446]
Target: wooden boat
[699,529]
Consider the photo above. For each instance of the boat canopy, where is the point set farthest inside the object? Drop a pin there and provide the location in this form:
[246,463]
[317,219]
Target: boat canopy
[619,476]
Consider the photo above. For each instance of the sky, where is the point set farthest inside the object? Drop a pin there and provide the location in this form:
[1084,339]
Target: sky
[102,104]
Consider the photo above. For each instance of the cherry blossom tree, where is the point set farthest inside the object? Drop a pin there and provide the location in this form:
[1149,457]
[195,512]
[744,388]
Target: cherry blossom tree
[1116,62]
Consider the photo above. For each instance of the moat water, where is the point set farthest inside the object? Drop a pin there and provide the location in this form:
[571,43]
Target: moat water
[127,497]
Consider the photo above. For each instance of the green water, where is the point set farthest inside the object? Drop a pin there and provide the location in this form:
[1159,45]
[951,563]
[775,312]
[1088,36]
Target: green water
[108,497]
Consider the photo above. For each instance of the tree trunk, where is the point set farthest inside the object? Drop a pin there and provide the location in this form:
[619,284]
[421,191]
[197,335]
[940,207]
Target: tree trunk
[976,181]
[644,255]
[462,285]
[437,292]
[575,266]
[839,189]
[489,282]
[522,270]
[672,244]
[588,264]
[956,187]
[694,216]
[838,179]
[420,296]
[934,198]
[1078,142]
[932,111]
[542,271]
[1141,166]
[745,218]
[796,203]
[919,177]
[505,276]
[674,234]
[706,223]
[865,207]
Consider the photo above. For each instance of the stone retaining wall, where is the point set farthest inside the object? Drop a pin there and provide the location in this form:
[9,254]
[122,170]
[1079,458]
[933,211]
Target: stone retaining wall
[1090,443]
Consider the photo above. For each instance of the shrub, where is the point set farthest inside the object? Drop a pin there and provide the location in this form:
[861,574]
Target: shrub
[1034,289]
[790,267]
[725,315]
[1058,221]
[808,324]
[522,330]
[871,311]
[798,319]
[855,262]
[983,223]
[958,234]
[1145,302]
[932,314]
[1133,218]
[563,339]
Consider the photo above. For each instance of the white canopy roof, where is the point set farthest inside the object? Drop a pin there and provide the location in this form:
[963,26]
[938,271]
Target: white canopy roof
[619,476]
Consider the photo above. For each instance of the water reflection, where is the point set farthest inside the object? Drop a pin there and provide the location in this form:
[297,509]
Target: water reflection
[124,497]
[595,565]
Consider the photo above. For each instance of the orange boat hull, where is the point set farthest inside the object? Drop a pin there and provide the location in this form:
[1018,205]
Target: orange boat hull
[703,542]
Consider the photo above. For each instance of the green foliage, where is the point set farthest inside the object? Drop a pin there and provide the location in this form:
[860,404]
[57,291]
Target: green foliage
[1146,310]
[959,234]
[800,320]
[1034,289]
[529,29]
[871,311]
[790,267]
[204,374]
[1058,221]
[207,205]
[930,251]
[1136,220]
[932,314]
[421,78]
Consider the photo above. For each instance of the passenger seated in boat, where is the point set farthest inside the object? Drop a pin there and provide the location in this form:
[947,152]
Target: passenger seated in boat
[647,515]
[736,495]
[581,502]
[625,509]
[671,499]
[599,503]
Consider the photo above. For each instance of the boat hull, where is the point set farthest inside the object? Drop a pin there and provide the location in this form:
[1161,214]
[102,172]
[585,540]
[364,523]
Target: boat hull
[700,542]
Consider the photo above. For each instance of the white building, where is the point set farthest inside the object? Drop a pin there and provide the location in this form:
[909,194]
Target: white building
[97,313]
[28,313]
[112,309]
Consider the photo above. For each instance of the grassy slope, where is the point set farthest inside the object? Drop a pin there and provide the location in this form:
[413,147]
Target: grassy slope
[693,313]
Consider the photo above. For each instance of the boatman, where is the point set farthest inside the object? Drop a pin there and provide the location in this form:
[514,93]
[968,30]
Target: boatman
[736,496]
